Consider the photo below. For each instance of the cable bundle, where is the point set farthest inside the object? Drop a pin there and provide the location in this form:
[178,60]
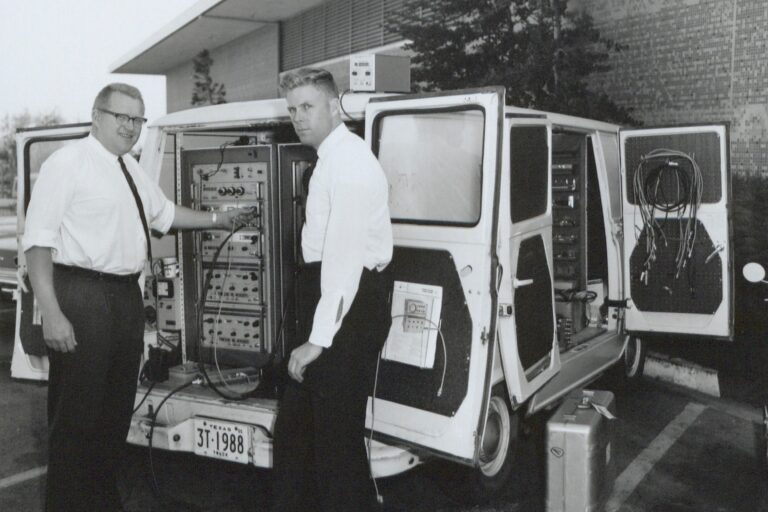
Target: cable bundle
[668,182]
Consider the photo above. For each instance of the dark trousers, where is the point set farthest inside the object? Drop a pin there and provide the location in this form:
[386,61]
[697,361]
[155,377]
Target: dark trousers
[320,458]
[91,391]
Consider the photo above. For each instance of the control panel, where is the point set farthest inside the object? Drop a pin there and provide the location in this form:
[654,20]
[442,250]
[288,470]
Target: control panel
[231,299]
[569,224]
[231,329]
[378,72]
[238,287]
[567,218]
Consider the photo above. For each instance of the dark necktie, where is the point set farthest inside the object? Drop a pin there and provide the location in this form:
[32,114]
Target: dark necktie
[139,205]
[305,177]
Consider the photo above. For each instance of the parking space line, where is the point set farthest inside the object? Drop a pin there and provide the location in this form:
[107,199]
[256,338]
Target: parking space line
[631,477]
[22,477]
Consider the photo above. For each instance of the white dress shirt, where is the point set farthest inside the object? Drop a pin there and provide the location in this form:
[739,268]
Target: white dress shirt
[347,226]
[83,209]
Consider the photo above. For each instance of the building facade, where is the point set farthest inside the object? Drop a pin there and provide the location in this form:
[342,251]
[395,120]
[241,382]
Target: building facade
[691,61]
[251,43]
[683,62]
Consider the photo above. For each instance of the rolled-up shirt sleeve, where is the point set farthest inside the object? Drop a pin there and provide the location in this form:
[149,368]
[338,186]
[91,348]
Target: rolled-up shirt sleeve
[52,193]
[159,210]
[343,257]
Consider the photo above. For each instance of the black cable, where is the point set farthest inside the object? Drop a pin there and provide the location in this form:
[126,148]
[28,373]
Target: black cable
[656,195]
[201,307]
[221,161]
[165,341]
[670,182]
[341,104]
[572,294]
[144,398]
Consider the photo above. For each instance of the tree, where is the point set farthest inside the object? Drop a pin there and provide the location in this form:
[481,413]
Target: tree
[540,51]
[206,92]
[8,127]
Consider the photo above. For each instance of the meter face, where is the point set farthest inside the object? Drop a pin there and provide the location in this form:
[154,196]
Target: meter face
[164,289]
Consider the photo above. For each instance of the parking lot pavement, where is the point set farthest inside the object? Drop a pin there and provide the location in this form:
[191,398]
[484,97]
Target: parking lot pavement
[674,451]
[688,452]
[23,432]
[739,365]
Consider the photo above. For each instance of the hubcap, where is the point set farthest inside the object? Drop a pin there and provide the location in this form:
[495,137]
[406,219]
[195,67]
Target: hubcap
[632,356]
[496,437]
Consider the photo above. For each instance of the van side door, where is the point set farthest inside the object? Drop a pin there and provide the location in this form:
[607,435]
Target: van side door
[527,336]
[33,147]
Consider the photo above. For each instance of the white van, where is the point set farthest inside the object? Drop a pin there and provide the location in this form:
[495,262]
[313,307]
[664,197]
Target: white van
[533,251]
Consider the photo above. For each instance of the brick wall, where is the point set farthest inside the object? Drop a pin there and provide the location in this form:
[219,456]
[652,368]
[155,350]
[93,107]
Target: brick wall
[247,66]
[691,61]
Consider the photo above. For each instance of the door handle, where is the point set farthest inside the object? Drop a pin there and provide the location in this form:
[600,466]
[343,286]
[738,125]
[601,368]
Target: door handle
[519,283]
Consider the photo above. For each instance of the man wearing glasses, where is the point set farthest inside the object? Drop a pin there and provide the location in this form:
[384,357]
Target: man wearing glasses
[86,242]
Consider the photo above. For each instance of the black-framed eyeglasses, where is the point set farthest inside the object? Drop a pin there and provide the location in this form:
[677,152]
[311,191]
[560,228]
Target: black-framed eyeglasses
[136,121]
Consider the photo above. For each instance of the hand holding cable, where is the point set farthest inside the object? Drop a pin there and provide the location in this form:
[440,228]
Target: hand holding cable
[235,218]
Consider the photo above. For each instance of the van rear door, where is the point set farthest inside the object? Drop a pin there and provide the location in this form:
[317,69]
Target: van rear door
[33,147]
[678,275]
[440,153]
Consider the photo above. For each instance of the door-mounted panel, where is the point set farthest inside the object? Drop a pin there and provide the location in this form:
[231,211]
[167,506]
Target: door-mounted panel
[677,233]
[533,303]
[439,387]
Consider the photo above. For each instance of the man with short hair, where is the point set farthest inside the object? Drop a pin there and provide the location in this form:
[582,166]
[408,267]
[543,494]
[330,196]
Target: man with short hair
[86,241]
[320,460]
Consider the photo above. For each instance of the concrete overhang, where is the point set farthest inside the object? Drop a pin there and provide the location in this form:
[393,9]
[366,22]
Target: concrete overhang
[208,24]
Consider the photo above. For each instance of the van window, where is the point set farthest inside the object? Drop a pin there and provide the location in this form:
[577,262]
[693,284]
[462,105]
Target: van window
[529,168]
[37,151]
[433,161]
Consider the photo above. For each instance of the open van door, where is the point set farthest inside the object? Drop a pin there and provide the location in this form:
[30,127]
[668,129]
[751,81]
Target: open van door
[527,337]
[440,154]
[33,147]
[678,275]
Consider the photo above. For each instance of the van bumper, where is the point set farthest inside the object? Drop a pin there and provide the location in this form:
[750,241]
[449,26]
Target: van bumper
[177,429]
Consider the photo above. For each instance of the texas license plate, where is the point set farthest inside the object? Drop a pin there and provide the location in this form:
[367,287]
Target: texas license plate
[222,440]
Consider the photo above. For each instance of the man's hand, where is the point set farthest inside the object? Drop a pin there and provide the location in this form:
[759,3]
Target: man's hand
[58,333]
[236,217]
[301,357]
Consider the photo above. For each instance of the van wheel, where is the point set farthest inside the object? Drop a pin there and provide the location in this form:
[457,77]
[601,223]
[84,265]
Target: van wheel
[497,473]
[634,358]
[499,452]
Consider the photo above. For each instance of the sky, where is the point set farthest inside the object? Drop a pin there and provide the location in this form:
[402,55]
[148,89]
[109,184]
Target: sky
[56,54]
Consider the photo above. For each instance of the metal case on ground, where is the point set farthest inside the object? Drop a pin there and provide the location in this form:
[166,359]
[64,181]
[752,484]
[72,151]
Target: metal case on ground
[579,436]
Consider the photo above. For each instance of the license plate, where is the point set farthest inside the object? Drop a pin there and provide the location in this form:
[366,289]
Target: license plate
[222,440]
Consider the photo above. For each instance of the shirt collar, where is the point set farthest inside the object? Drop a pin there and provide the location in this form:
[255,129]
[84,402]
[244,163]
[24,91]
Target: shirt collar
[332,139]
[100,149]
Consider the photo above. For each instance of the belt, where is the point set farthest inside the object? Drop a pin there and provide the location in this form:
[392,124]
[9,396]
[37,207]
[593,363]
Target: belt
[95,274]
[315,265]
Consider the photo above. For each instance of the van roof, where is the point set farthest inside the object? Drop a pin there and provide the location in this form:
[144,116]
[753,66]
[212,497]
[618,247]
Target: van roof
[271,110]
[253,112]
